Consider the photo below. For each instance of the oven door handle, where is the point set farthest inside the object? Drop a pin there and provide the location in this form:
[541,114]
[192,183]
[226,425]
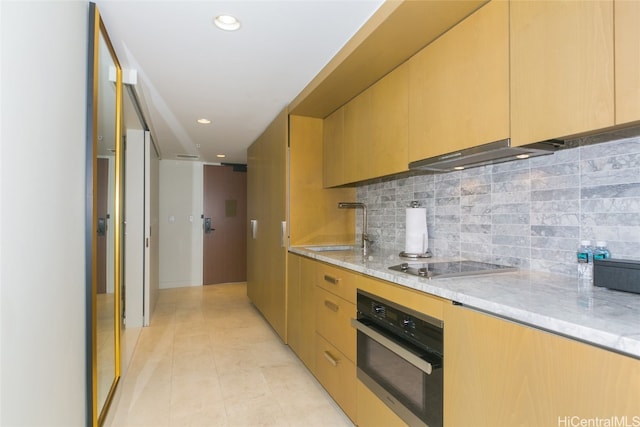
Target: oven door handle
[391,345]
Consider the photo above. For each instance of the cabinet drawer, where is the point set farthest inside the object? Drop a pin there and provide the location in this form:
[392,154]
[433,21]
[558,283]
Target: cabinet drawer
[338,376]
[333,322]
[338,281]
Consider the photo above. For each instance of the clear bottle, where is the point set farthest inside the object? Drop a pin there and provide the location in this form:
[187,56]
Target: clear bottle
[585,260]
[601,251]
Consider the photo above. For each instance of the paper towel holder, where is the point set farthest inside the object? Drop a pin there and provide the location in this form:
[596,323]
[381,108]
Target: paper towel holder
[427,253]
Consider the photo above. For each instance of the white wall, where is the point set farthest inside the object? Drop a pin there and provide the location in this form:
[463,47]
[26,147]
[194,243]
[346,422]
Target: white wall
[42,200]
[180,223]
[153,193]
[134,228]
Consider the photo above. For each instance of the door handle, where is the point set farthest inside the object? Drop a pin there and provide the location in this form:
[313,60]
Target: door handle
[207,225]
[331,305]
[283,234]
[254,229]
[391,345]
[331,279]
[102,226]
[330,358]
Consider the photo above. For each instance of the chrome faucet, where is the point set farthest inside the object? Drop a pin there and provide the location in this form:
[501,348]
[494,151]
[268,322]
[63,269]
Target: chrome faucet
[365,237]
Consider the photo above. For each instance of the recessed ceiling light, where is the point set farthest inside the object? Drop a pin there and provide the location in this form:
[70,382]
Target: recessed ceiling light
[522,156]
[458,168]
[204,121]
[227,22]
[221,156]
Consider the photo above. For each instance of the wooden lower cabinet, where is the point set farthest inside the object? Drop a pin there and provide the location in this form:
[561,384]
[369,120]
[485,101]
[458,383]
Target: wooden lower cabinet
[333,321]
[372,412]
[496,372]
[338,281]
[338,376]
[301,319]
[500,373]
[335,337]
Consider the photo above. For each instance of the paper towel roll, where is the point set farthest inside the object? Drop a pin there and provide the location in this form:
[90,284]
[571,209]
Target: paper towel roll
[417,239]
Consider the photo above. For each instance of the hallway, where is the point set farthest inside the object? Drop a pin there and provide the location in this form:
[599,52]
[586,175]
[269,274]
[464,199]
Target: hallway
[210,359]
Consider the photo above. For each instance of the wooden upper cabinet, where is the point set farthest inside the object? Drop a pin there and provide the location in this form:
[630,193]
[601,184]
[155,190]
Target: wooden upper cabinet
[387,152]
[368,137]
[627,54]
[562,80]
[332,149]
[459,86]
[357,136]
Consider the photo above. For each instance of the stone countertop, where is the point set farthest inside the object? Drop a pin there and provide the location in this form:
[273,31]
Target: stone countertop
[556,303]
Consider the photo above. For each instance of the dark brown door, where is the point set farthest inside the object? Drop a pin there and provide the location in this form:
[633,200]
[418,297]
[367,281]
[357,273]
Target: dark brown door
[101,233]
[225,229]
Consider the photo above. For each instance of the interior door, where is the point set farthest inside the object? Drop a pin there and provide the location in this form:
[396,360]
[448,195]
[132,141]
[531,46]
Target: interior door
[224,224]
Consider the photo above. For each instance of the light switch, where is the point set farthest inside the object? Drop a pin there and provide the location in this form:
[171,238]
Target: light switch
[172,219]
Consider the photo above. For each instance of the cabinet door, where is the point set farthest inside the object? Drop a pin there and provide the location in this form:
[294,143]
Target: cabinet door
[276,200]
[333,149]
[357,137]
[503,373]
[459,86]
[627,54]
[301,319]
[266,260]
[387,150]
[308,317]
[255,187]
[561,68]
[294,299]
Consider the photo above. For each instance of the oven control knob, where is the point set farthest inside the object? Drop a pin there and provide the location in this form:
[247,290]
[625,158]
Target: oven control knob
[409,323]
[404,266]
[379,309]
[422,271]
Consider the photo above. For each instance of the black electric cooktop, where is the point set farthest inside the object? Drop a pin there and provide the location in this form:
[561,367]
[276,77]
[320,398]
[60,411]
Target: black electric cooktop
[450,268]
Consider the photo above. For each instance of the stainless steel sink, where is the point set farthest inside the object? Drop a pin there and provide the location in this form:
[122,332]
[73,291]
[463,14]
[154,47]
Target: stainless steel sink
[330,248]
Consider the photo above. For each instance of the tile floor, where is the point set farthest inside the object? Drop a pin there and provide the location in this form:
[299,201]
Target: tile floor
[210,359]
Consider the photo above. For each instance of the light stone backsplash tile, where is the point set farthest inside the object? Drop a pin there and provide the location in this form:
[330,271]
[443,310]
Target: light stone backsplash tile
[531,213]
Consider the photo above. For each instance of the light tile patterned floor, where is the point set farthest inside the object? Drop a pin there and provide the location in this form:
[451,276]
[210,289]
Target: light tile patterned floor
[210,359]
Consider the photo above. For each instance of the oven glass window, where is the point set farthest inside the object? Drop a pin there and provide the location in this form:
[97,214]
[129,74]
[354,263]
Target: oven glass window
[397,373]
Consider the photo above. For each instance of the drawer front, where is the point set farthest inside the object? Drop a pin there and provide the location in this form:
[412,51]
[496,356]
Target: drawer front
[333,322]
[338,281]
[337,374]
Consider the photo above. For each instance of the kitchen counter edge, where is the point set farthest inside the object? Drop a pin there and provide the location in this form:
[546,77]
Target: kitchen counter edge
[556,303]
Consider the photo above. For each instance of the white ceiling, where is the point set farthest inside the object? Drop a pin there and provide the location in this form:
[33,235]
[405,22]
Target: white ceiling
[188,69]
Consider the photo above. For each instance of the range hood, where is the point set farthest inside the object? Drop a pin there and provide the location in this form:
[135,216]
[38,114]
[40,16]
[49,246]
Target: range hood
[494,152]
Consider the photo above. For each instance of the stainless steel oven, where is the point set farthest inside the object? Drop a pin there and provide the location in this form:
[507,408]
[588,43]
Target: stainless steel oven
[400,358]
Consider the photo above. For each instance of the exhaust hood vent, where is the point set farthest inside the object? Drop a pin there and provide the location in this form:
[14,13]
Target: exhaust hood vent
[494,152]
